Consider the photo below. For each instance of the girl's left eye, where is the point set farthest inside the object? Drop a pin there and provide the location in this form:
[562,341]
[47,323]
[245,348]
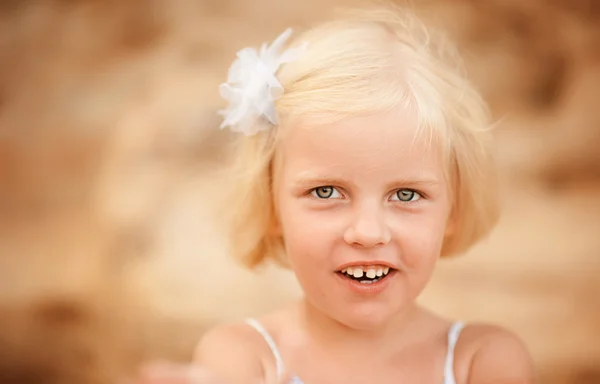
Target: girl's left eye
[406,195]
[327,192]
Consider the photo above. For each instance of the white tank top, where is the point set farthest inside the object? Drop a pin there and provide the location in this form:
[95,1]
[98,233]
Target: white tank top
[453,335]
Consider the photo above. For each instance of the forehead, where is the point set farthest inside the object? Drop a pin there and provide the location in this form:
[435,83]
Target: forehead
[389,142]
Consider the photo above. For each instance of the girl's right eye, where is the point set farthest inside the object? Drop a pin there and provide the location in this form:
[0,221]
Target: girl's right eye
[327,192]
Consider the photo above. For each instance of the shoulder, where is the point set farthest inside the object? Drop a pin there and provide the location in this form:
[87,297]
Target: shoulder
[235,352]
[491,354]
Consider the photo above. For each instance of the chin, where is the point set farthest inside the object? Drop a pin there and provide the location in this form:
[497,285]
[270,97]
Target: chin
[366,316]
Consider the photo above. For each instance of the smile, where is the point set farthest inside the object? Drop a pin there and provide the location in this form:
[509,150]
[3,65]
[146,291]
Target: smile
[366,274]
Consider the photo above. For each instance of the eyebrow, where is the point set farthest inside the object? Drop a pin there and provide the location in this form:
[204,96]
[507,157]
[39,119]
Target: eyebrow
[310,178]
[306,178]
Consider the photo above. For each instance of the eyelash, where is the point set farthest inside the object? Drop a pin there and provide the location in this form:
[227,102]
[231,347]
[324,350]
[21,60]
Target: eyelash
[420,195]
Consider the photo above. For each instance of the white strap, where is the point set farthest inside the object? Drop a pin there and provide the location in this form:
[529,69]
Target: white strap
[270,342]
[453,335]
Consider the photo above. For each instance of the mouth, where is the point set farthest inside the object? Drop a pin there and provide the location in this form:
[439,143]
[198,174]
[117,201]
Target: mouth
[366,274]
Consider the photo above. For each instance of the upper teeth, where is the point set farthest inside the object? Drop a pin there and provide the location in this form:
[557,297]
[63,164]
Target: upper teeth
[371,272]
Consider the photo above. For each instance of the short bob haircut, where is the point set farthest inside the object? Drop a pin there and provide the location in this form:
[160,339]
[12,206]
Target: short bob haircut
[368,61]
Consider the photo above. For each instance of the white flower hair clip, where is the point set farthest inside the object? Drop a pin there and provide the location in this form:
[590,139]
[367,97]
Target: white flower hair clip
[252,86]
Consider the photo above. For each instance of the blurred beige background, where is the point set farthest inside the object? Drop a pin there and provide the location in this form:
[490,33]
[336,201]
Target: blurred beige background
[111,250]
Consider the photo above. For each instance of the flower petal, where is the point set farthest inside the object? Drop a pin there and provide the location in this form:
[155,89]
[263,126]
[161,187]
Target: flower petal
[252,86]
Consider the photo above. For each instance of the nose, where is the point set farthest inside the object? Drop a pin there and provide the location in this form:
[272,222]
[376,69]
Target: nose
[368,228]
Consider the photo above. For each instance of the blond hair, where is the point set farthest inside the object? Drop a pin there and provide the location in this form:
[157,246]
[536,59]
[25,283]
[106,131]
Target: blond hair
[370,61]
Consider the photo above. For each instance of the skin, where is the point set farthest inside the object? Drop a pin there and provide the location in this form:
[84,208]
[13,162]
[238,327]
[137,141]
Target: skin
[357,191]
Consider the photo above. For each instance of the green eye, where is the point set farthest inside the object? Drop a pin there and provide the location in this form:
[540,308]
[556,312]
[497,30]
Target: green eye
[407,195]
[325,192]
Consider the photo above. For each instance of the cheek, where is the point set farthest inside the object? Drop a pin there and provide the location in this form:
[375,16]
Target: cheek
[422,243]
[304,242]
[296,228]
[310,238]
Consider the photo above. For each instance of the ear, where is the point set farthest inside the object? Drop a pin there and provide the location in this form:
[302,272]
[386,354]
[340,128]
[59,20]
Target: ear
[451,225]
[275,228]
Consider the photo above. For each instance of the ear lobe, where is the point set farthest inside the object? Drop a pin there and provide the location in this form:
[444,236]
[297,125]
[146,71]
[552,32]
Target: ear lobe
[275,228]
[274,222]
[450,225]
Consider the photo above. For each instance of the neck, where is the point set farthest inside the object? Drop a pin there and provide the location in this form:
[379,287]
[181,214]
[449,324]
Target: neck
[329,332]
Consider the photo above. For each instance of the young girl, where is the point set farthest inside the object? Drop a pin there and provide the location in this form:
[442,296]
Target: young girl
[364,158]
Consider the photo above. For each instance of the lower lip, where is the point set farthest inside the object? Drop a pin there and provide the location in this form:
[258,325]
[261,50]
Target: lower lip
[367,288]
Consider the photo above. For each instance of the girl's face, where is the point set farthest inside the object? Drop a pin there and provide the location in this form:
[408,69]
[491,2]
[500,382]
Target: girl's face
[363,208]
